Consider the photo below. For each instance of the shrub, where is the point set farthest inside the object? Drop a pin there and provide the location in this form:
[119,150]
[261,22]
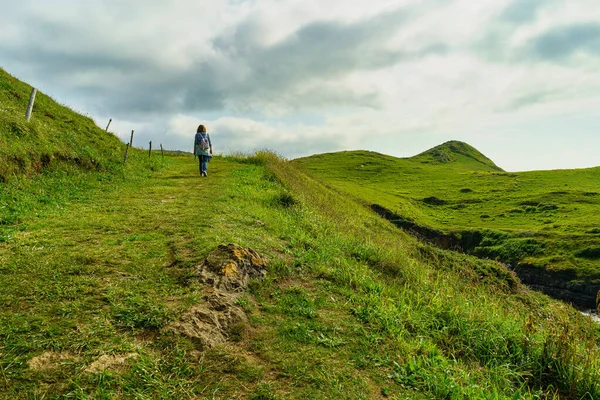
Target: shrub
[434,201]
[547,207]
[591,252]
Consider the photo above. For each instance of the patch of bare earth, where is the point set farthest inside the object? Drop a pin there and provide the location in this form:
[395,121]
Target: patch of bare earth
[50,360]
[109,362]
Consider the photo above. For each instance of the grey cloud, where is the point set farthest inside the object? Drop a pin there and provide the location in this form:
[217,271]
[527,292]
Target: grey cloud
[317,50]
[530,99]
[299,72]
[562,42]
[249,75]
[523,11]
[557,44]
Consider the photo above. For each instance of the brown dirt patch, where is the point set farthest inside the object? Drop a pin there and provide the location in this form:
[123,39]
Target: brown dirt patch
[110,362]
[50,360]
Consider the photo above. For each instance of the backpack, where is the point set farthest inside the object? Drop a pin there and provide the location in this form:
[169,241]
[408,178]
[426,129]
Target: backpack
[204,144]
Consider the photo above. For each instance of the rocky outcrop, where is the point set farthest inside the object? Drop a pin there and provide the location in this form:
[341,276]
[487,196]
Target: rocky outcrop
[226,273]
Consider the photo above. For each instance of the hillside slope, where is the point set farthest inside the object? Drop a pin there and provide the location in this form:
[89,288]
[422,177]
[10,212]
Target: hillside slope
[105,297]
[54,138]
[545,223]
[55,157]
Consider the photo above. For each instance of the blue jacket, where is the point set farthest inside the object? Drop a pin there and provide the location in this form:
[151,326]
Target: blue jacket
[200,152]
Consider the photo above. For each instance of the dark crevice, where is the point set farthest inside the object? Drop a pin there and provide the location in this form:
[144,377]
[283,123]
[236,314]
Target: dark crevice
[557,284]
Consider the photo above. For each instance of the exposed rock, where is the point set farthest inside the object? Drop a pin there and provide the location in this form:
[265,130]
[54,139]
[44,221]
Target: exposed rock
[210,323]
[560,285]
[227,270]
[230,267]
[109,361]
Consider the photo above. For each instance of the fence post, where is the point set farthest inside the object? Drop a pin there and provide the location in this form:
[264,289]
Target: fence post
[127,148]
[126,153]
[109,121]
[30,106]
[150,149]
[162,153]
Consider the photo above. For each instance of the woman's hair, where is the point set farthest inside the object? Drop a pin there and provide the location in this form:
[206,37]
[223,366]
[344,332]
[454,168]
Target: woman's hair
[201,128]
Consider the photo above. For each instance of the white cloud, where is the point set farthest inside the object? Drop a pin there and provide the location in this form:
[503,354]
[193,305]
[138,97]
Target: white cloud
[303,76]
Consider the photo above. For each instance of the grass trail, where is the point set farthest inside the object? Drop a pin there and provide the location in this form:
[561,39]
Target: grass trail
[82,279]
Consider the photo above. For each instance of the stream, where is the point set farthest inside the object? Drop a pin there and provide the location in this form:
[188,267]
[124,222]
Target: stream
[592,314]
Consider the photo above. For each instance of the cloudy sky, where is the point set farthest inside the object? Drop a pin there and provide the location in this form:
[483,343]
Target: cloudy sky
[517,79]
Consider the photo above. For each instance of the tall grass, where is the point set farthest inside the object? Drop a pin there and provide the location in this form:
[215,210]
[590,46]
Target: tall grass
[468,328]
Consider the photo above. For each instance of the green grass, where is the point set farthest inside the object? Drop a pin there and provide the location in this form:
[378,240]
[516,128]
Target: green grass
[54,139]
[545,219]
[350,309]
[97,264]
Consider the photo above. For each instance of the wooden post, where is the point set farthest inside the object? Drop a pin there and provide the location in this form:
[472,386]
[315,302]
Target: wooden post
[126,153]
[162,153]
[127,148]
[150,149]
[109,121]
[30,106]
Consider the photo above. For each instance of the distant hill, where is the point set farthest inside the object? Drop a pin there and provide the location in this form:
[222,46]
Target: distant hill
[456,152]
[453,156]
[55,136]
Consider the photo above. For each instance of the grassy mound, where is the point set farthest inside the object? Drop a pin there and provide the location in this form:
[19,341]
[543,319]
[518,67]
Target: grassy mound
[55,137]
[459,153]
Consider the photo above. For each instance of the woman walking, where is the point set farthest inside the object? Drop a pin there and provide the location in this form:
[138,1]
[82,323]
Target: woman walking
[203,149]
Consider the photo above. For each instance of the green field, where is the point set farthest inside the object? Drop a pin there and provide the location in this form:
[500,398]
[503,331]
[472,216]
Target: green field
[97,265]
[547,220]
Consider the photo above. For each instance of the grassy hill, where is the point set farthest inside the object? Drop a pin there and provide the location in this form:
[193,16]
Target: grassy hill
[55,138]
[104,291]
[55,156]
[545,220]
[457,154]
